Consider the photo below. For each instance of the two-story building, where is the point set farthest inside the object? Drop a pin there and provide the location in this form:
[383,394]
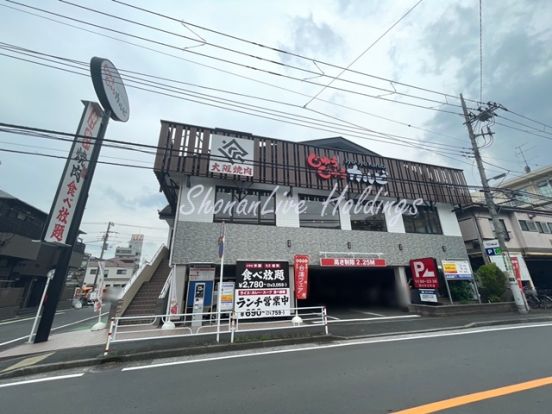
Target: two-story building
[24,261]
[117,273]
[528,239]
[359,217]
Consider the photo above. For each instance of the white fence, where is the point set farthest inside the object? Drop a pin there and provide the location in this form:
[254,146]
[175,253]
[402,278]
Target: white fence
[142,328]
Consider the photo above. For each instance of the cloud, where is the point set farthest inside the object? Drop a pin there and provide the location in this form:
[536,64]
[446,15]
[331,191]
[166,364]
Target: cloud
[312,39]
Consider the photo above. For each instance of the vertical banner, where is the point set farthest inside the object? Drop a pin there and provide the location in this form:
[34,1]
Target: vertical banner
[301,271]
[517,270]
[74,175]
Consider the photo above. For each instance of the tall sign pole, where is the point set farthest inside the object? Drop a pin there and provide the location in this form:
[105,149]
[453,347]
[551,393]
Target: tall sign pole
[221,255]
[499,230]
[67,209]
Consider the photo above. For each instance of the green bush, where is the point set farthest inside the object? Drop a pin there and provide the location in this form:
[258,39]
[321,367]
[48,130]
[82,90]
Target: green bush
[492,282]
[461,291]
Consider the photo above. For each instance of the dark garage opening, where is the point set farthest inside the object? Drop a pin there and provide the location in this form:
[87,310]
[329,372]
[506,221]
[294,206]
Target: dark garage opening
[351,287]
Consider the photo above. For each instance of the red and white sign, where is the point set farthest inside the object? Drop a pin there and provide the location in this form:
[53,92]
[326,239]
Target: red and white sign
[351,262]
[517,270]
[301,270]
[424,273]
[72,181]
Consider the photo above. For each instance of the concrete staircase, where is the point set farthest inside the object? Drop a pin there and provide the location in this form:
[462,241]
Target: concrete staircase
[146,301]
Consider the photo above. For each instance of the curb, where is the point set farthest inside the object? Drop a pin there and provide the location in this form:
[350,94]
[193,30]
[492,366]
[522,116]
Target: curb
[161,353]
[210,349]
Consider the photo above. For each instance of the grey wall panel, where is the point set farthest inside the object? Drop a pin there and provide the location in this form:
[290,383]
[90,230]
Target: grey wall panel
[197,242]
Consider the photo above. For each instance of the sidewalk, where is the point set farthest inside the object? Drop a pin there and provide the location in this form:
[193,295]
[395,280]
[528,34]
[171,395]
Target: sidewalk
[85,348]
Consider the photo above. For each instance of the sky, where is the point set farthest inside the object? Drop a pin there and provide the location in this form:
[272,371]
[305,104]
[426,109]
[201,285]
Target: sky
[436,47]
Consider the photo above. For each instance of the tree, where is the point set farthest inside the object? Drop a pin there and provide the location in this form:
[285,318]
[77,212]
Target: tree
[492,282]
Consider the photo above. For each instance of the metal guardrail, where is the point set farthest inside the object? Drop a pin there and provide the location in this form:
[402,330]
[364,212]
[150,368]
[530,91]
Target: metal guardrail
[142,328]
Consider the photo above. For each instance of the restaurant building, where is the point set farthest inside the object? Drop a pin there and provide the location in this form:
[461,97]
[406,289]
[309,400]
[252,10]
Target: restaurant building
[356,217]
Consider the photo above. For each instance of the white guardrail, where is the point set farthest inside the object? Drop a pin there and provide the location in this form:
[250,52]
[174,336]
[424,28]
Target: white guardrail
[142,328]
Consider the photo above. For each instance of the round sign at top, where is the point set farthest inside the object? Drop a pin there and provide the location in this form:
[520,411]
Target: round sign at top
[110,88]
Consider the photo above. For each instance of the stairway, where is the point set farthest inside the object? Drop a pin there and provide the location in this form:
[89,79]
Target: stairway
[147,302]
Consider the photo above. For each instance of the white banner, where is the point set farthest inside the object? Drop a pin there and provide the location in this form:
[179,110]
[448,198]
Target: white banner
[231,155]
[262,303]
[74,175]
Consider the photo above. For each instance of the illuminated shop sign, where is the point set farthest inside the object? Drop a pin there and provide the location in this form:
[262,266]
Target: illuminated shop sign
[329,167]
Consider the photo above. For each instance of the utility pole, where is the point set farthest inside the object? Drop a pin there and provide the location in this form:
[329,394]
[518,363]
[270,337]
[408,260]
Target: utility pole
[499,229]
[104,248]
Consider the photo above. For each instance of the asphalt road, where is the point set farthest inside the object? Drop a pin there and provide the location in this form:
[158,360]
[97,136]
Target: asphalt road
[17,330]
[388,375]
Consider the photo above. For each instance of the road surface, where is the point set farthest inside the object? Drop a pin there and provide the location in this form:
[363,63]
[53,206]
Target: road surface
[14,331]
[377,375]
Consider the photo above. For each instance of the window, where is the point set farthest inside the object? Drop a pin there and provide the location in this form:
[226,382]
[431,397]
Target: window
[545,228]
[425,221]
[365,219]
[527,225]
[93,271]
[244,206]
[550,227]
[504,229]
[314,214]
[545,188]
[121,271]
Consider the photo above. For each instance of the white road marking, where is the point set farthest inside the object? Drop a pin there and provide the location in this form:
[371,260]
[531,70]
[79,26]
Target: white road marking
[366,341]
[366,312]
[53,329]
[380,318]
[15,320]
[332,317]
[29,361]
[60,377]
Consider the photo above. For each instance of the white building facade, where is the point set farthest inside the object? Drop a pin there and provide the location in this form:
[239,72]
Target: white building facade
[330,200]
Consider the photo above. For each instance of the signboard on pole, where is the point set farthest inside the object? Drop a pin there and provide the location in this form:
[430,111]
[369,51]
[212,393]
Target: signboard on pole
[74,175]
[351,262]
[227,297]
[231,155]
[492,248]
[109,88]
[301,272]
[262,289]
[424,273]
[457,270]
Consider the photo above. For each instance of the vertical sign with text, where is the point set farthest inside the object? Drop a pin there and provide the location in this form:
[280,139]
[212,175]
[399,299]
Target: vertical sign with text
[301,270]
[75,173]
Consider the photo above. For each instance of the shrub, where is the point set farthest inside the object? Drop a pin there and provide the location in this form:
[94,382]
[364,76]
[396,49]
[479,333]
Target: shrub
[492,282]
[461,291]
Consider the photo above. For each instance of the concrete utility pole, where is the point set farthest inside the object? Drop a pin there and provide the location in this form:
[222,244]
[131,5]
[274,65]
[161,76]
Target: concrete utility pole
[104,248]
[499,229]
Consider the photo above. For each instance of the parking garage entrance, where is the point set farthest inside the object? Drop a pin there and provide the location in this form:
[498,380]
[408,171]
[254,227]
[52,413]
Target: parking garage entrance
[350,287]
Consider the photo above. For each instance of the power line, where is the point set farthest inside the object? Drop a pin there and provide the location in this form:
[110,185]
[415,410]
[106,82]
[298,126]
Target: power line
[131,78]
[314,60]
[250,67]
[291,118]
[480,52]
[363,53]
[218,69]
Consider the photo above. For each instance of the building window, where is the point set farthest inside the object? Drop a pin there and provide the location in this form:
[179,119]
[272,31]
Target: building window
[314,214]
[545,188]
[93,271]
[365,219]
[244,206]
[527,225]
[425,221]
[504,229]
[121,271]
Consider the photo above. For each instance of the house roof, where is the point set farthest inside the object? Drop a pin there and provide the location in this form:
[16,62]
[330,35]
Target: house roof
[339,143]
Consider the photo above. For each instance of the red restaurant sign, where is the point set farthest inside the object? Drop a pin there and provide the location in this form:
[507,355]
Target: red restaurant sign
[424,273]
[301,270]
[351,262]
